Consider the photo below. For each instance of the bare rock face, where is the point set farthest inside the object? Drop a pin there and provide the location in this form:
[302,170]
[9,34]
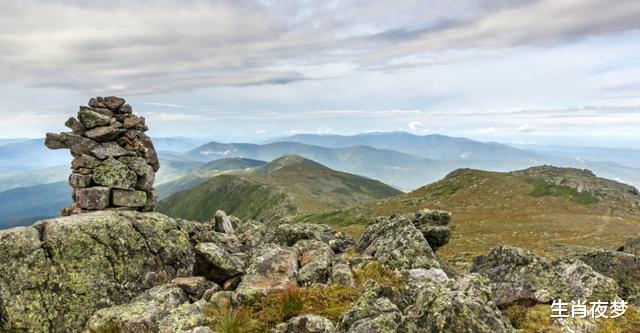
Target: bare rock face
[114,162]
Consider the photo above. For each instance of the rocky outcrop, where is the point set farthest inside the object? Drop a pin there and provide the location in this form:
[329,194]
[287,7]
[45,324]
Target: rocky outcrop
[518,276]
[397,242]
[114,162]
[623,267]
[306,324]
[434,225]
[57,273]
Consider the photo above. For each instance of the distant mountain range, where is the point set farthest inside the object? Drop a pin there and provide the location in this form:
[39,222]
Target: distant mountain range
[284,187]
[23,206]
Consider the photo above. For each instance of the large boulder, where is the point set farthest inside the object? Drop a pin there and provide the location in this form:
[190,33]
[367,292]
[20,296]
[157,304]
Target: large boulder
[519,276]
[456,306]
[397,243]
[315,261]
[216,263]
[57,273]
[374,312]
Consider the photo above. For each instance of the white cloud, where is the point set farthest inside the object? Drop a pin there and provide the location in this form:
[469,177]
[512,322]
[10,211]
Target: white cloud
[526,128]
[414,125]
[487,130]
[260,132]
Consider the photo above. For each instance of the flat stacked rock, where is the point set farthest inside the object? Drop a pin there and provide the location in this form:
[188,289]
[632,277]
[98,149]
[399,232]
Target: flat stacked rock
[114,163]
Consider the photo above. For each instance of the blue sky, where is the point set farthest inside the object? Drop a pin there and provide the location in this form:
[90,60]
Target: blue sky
[564,72]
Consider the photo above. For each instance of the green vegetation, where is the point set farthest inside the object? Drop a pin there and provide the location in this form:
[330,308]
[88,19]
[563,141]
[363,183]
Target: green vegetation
[330,301]
[542,188]
[284,187]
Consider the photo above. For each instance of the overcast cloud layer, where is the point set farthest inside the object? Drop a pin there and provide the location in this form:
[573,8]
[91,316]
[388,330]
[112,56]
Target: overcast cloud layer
[493,70]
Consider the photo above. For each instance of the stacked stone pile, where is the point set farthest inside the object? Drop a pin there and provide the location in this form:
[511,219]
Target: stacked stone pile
[114,161]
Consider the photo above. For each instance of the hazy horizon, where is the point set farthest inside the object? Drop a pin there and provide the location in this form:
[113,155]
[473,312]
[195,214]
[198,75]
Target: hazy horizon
[502,71]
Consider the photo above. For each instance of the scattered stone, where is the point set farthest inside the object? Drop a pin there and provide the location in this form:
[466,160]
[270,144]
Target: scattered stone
[195,286]
[92,198]
[126,198]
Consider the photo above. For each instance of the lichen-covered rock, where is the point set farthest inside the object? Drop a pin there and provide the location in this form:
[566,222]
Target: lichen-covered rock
[289,234]
[114,174]
[374,312]
[94,198]
[341,274]
[623,267]
[306,324]
[195,286]
[56,274]
[91,119]
[141,315]
[75,125]
[518,276]
[136,164]
[272,268]
[77,180]
[185,318]
[417,278]
[85,161]
[250,233]
[433,225]
[110,149]
[397,243]
[456,306]
[315,261]
[127,198]
[216,263]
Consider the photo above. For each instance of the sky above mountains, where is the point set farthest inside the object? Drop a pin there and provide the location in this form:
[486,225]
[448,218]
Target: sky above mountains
[563,72]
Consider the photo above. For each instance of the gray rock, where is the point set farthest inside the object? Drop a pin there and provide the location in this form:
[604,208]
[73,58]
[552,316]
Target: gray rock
[126,198]
[373,312]
[84,161]
[195,286]
[143,314]
[91,119]
[397,243]
[105,133]
[55,141]
[289,234]
[75,125]
[456,306]
[78,145]
[101,110]
[250,233]
[125,109]
[216,263]
[341,274]
[272,268]
[306,324]
[136,164]
[417,278]
[223,223]
[135,122]
[77,180]
[145,182]
[110,149]
[315,261]
[92,198]
[114,174]
[433,225]
[56,274]
[623,267]
[113,102]
[518,276]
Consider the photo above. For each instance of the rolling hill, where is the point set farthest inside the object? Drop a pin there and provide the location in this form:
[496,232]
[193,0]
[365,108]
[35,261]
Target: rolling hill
[547,209]
[203,173]
[284,187]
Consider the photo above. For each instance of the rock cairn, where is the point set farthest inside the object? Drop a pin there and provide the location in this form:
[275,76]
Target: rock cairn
[114,161]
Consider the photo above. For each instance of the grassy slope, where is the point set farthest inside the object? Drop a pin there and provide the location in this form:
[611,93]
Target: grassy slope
[492,208]
[260,192]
